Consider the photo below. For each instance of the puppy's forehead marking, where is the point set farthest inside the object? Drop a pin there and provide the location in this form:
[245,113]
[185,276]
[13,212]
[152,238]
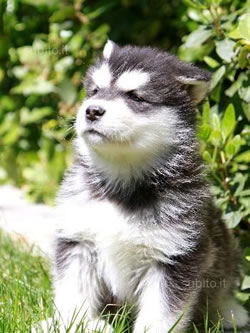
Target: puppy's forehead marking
[102,76]
[132,80]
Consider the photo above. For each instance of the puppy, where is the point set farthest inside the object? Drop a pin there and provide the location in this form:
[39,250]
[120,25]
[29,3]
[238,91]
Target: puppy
[138,225]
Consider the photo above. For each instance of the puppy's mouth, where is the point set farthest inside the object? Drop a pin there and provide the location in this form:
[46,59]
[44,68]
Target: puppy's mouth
[95,132]
[97,137]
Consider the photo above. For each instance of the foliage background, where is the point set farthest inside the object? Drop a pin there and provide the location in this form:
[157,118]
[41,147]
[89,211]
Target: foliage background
[45,48]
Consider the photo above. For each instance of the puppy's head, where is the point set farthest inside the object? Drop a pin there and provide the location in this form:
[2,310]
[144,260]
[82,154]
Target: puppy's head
[137,99]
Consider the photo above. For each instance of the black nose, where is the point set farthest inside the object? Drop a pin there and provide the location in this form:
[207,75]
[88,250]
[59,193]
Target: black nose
[94,112]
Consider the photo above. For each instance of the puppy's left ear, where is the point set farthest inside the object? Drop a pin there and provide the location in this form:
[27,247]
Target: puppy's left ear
[108,49]
[195,80]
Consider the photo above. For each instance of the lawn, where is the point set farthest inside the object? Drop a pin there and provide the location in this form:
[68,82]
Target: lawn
[26,292]
[25,287]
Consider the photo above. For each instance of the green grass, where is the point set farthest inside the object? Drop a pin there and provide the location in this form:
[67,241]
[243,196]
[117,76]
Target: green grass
[25,288]
[26,292]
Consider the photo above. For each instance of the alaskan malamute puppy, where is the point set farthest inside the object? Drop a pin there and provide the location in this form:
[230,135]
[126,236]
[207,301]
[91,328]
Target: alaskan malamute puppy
[139,226]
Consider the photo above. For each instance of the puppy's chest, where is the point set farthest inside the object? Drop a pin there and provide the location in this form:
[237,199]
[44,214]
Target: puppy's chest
[124,251]
[126,244]
[104,224]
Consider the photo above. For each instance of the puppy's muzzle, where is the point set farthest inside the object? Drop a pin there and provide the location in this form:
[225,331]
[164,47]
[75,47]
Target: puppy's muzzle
[94,113]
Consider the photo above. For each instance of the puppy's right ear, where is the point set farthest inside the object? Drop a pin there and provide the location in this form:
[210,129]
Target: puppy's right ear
[195,80]
[108,49]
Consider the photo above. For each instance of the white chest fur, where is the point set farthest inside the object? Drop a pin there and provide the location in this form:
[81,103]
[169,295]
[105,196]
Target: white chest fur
[127,244]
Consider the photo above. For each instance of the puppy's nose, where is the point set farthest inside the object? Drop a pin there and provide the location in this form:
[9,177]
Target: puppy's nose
[94,112]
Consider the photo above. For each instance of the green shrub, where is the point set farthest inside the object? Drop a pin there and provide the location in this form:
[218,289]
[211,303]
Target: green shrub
[221,40]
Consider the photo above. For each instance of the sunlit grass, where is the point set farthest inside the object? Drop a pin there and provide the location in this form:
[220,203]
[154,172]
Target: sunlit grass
[25,288]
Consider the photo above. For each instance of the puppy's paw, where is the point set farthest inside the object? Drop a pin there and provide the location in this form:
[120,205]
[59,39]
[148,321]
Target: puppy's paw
[233,312]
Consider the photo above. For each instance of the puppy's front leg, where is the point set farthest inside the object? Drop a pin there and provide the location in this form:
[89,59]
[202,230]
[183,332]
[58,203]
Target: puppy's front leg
[156,312]
[79,290]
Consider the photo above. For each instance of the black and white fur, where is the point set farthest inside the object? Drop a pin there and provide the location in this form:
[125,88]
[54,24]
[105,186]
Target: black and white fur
[138,225]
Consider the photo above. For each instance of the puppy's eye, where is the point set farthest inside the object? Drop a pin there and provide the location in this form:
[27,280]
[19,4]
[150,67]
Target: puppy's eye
[132,95]
[93,92]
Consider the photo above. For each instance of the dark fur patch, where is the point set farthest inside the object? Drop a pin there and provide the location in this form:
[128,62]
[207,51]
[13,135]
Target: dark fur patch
[64,250]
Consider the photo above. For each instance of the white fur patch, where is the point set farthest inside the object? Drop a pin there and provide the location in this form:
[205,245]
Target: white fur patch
[69,301]
[132,80]
[134,142]
[155,315]
[145,133]
[108,49]
[102,76]
[232,312]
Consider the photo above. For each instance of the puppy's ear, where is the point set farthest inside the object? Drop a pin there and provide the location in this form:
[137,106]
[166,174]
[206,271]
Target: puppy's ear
[108,49]
[195,80]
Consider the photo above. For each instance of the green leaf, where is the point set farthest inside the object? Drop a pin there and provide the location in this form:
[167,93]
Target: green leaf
[48,3]
[204,132]
[1,74]
[245,203]
[245,193]
[232,219]
[12,135]
[243,157]
[235,33]
[76,42]
[243,56]
[245,283]
[64,64]
[240,181]
[67,91]
[207,157]
[198,36]
[228,122]
[246,110]
[35,115]
[217,76]
[195,15]
[36,86]
[225,49]
[215,121]
[233,146]
[244,26]
[244,93]
[211,62]
[242,296]
[236,85]
[247,253]
[205,112]
[63,14]
[194,4]
[215,138]
[196,52]
[27,54]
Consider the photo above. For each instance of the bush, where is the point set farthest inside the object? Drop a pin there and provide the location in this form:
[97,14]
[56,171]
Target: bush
[221,41]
